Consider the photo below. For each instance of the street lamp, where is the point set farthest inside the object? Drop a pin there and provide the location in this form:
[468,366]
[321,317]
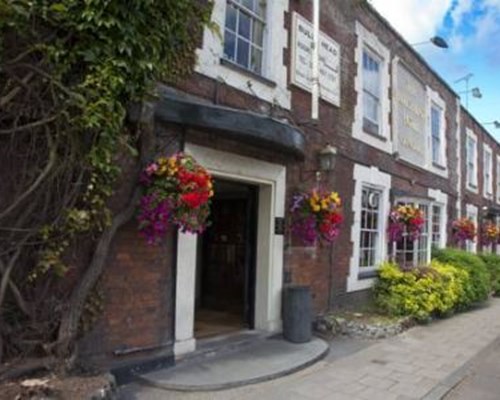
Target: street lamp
[496,124]
[476,92]
[437,41]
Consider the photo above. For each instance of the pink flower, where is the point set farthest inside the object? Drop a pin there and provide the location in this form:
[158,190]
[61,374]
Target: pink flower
[151,168]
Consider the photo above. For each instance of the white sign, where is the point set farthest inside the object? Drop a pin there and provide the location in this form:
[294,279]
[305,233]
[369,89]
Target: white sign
[329,61]
[409,102]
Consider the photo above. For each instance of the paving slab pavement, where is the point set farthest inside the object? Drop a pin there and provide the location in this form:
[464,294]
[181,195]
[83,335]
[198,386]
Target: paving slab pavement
[480,380]
[425,362]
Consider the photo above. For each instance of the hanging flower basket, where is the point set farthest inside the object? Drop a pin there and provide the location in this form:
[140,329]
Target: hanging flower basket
[316,216]
[489,233]
[405,219]
[177,190]
[463,229]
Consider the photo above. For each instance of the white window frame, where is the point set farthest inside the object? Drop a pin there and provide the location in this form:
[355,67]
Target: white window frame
[376,96]
[241,9]
[440,199]
[368,41]
[274,87]
[497,170]
[471,186]
[487,174]
[372,177]
[376,247]
[472,212]
[434,99]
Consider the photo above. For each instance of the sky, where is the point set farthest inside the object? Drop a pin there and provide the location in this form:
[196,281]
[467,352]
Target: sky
[472,30]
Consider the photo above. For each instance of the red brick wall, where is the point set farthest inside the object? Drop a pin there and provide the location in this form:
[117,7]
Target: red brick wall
[138,299]
[469,197]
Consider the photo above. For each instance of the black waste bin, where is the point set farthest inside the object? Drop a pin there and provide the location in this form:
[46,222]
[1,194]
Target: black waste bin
[297,314]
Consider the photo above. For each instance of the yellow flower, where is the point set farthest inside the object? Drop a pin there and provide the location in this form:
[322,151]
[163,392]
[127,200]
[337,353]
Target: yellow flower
[162,161]
[324,203]
[316,208]
[315,196]
[334,196]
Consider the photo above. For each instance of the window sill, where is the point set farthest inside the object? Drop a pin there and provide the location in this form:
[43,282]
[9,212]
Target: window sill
[439,166]
[248,73]
[367,275]
[374,135]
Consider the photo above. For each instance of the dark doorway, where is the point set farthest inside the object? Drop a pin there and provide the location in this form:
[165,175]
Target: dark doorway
[225,289]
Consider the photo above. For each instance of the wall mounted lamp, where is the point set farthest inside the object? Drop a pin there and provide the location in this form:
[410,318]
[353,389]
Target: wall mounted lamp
[474,91]
[496,124]
[437,41]
[327,158]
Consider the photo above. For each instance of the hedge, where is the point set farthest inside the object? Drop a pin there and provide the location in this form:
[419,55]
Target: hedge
[492,262]
[479,286]
[421,292]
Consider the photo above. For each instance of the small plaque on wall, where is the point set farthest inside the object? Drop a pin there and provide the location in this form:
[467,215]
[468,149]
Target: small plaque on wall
[279,226]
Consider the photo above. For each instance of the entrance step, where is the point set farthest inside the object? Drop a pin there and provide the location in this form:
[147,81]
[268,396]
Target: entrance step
[223,344]
[263,360]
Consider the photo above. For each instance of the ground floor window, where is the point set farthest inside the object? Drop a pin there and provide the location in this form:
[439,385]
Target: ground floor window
[369,238]
[437,220]
[370,208]
[408,252]
[471,212]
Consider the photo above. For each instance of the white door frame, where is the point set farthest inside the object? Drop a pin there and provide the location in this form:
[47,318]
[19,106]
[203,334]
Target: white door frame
[270,180]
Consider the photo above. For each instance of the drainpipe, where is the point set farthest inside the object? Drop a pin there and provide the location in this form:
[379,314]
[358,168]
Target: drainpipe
[315,62]
[459,158]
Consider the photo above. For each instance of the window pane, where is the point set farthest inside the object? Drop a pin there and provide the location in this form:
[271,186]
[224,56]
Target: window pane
[256,60]
[229,46]
[244,25]
[248,4]
[260,8]
[258,33]
[370,107]
[243,50]
[371,76]
[231,17]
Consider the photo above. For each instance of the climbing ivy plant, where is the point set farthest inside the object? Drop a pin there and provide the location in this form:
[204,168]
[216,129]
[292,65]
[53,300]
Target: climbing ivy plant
[69,70]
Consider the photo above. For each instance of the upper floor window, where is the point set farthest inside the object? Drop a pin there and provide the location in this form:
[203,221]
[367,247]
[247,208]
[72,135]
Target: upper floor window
[436,139]
[371,92]
[487,172]
[471,161]
[244,33]
[498,179]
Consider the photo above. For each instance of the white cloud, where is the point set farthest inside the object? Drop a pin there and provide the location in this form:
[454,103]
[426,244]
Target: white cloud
[460,9]
[416,20]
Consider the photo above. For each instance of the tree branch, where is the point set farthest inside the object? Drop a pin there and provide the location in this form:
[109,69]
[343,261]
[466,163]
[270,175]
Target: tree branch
[37,182]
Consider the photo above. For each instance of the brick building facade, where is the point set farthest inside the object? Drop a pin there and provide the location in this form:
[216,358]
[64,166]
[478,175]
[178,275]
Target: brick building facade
[401,137]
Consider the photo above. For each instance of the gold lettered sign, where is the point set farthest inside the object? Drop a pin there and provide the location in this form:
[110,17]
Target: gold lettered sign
[409,107]
[329,61]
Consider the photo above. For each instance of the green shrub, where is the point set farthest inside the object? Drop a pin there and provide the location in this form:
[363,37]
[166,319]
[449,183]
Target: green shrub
[479,286]
[420,292]
[492,262]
